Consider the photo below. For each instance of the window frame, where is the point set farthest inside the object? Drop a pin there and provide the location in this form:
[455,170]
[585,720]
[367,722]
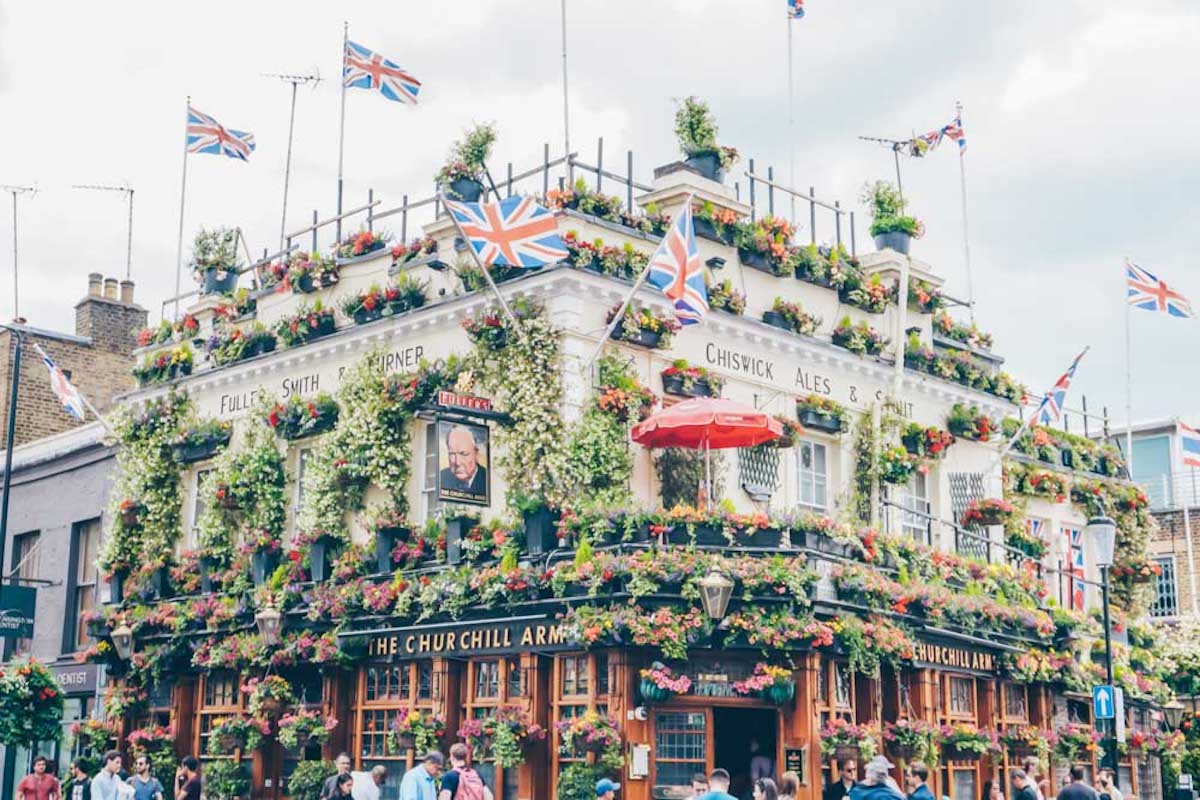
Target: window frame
[75,639]
[810,477]
[1168,578]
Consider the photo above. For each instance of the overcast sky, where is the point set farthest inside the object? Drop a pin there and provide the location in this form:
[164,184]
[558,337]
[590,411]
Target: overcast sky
[1080,117]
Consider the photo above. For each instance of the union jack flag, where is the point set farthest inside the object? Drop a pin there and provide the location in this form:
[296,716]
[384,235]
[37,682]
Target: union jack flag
[795,9]
[955,131]
[1076,588]
[67,394]
[513,232]
[206,135]
[1189,443]
[1150,294]
[1052,404]
[675,268]
[366,69]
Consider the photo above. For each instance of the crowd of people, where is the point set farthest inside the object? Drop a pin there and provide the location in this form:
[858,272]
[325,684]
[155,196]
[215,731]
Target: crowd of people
[111,782]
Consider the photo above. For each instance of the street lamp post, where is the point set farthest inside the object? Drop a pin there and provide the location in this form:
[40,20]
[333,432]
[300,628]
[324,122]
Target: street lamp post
[1102,530]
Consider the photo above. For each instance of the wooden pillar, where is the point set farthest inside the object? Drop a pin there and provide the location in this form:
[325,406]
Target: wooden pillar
[183,714]
[534,779]
[341,686]
[803,728]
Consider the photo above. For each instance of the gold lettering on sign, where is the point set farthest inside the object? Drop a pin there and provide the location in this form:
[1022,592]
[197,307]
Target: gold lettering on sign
[956,657]
[502,637]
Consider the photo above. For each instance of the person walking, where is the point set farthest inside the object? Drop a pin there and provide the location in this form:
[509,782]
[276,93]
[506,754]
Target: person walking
[1037,779]
[145,786]
[107,783]
[1077,788]
[420,782]
[916,781]
[718,786]
[606,789]
[187,779]
[847,776]
[344,787]
[789,786]
[329,788]
[992,790]
[461,781]
[1106,787]
[1024,786]
[81,784]
[765,789]
[39,784]
[877,783]
[369,785]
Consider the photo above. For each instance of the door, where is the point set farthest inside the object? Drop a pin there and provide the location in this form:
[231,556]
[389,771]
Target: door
[745,739]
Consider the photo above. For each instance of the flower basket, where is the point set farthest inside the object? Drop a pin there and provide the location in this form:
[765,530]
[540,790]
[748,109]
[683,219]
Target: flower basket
[651,339]
[660,683]
[777,320]
[468,190]
[954,753]
[363,316]
[230,742]
[819,421]
[191,452]
[652,693]
[219,281]
[844,752]
[704,228]
[895,240]
[780,694]
[131,515]
[405,741]
[674,384]
[708,165]
[756,260]
[989,511]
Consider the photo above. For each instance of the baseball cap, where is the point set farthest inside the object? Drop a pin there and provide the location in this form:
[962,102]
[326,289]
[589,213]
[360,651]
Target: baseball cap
[605,785]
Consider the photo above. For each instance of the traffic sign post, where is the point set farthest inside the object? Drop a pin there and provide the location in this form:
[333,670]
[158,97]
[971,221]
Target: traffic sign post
[1103,702]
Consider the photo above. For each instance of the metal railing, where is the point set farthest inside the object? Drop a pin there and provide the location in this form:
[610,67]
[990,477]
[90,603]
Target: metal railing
[1173,492]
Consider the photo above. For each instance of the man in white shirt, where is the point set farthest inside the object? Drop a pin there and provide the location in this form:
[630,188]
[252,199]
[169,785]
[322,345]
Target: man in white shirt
[107,783]
[368,785]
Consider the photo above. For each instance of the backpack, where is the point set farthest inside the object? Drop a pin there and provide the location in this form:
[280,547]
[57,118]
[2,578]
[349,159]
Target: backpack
[470,785]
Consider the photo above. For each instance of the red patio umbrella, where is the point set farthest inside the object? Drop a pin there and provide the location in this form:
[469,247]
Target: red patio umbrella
[705,423]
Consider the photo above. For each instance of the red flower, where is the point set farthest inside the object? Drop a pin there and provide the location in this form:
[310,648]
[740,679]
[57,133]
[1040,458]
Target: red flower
[273,418]
[369,302]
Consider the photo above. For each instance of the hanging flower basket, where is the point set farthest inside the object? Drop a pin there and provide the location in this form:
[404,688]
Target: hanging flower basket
[660,683]
[131,513]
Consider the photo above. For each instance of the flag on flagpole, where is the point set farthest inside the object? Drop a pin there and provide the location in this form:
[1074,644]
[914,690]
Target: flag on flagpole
[676,269]
[1189,443]
[206,135]
[795,9]
[1148,293]
[955,131]
[67,394]
[363,68]
[1051,406]
[513,232]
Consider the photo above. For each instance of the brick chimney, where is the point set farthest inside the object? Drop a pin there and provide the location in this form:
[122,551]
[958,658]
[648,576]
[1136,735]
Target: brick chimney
[109,319]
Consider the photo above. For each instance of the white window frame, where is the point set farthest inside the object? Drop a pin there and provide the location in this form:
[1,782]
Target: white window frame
[914,496]
[429,468]
[302,456]
[1169,577]
[811,478]
[197,479]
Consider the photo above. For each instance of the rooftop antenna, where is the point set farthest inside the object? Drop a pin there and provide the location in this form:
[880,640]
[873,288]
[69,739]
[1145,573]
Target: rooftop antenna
[126,190]
[897,147]
[311,79]
[16,191]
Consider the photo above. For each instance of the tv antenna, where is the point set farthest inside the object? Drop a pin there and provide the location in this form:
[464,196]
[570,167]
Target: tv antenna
[897,146]
[311,79]
[126,190]
[16,191]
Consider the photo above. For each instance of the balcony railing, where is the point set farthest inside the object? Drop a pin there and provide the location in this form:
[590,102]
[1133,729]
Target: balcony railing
[1172,492]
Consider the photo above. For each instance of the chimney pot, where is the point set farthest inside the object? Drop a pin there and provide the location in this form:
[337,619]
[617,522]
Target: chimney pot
[95,280]
[127,292]
[110,288]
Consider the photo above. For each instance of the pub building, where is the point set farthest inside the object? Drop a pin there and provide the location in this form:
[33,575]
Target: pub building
[786,618]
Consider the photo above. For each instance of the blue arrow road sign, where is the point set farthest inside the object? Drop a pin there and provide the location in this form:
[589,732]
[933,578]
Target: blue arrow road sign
[1103,702]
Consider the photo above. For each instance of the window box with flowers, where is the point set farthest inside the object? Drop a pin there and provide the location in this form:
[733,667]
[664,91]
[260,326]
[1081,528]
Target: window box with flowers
[644,327]
[407,294]
[302,273]
[688,380]
[791,317]
[924,297]
[1136,570]
[392,529]
[320,550]
[201,441]
[309,323]
[163,366]
[417,248]
[897,465]
[264,550]
[913,739]
[1038,483]
[502,737]
[361,246]
[240,344]
[297,418]
[966,742]
[696,130]
[590,732]
[871,295]
[931,442]
[300,728]
[821,414]
[859,338]
[763,245]
[989,511]
[773,684]
[723,297]
[968,422]
[413,729]
[1023,741]
[660,683]
[1076,743]
[461,177]
[843,739]
[214,260]
[789,437]
[1017,535]
[167,332]
[713,223]
[944,325]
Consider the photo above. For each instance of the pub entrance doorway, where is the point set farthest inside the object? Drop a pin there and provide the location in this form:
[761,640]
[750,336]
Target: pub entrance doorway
[736,731]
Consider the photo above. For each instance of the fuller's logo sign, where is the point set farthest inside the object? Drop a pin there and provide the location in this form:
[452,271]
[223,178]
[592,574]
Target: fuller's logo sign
[493,638]
[466,402]
[955,657]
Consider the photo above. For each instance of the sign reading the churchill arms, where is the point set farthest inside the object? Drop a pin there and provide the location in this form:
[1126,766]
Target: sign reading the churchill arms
[955,657]
[494,637]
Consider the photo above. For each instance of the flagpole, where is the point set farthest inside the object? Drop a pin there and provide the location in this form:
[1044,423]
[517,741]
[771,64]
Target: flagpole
[487,273]
[791,124]
[342,123]
[962,178]
[1128,387]
[182,196]
[616,320]
[566,113]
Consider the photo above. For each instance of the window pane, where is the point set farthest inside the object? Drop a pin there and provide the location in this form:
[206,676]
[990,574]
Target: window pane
[487,680]
[602,678]
[87,542]
[1166,604]
[200,497]
[680,750]
[964,785]
[302,459]
[431,465]
[962,695]
[812,475]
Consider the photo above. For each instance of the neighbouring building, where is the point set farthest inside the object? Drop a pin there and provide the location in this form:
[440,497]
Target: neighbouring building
[378,530]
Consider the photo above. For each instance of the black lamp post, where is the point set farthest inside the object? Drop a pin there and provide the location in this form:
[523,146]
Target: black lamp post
[1102,530]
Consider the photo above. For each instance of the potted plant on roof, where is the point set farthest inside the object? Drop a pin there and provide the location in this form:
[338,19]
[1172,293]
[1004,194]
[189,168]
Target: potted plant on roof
[764,245]
[308,323]
[713,223]
[214,260]
[660,683]
[890,226]
[791,317]
[360,246]
[820,414]
[307,274]
[860,338]
[696,130]
[461,177]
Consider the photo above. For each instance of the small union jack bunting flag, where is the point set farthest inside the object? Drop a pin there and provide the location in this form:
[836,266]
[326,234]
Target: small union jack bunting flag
[206,135]
[365,69]
[513,232]
[1052,404]
[795,9]
[676,269]
[1150,294]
